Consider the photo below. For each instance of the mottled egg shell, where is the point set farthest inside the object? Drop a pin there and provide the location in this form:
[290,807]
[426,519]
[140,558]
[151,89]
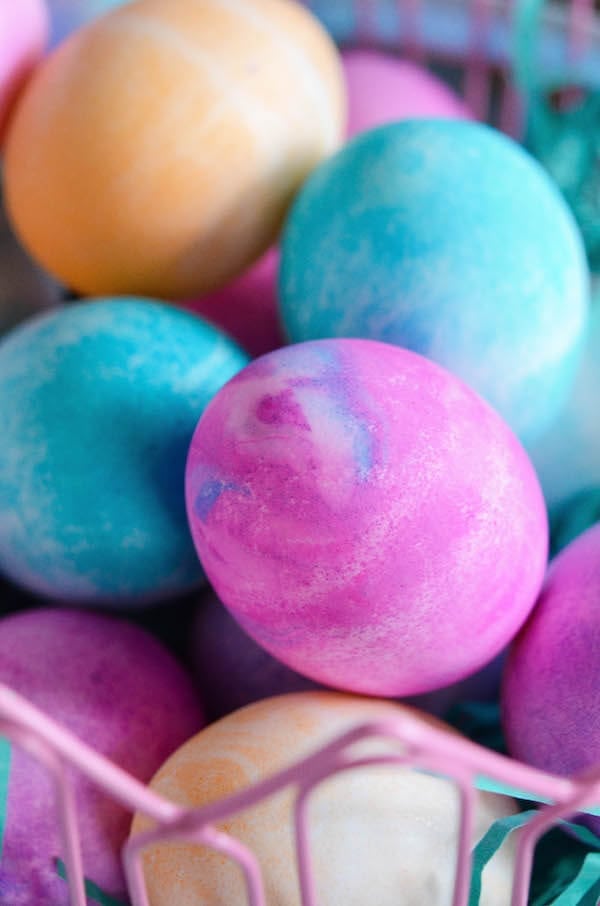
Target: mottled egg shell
[551,707]
[382,88]
[118,690]
[99,402]
[156,151]
[230,668]
[372,833]
[247,307]
[365,516]
[23,35]
[444,237]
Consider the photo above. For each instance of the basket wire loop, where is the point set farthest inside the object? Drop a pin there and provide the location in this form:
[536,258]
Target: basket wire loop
[408,742]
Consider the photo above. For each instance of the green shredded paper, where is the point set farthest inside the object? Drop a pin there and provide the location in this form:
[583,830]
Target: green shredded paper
[93,893]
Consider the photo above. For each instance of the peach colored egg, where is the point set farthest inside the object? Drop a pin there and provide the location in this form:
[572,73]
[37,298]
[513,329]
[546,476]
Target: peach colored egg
[374,833]
[157,150]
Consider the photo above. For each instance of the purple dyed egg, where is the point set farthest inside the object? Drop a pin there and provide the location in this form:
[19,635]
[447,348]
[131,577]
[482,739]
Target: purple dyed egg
[231,669]
[551,701]
[365,516]
[118,690]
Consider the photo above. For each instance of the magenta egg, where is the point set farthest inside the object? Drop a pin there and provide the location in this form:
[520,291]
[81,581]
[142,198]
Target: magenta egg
[365,516]
[551,706]
[116,688]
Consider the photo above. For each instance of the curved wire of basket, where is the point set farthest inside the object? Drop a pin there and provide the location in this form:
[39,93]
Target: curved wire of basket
[420,746]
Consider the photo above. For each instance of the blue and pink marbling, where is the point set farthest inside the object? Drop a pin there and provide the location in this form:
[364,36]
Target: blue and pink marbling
[551,706]
[365,516]
[117,689]
[99,402]
[447,238]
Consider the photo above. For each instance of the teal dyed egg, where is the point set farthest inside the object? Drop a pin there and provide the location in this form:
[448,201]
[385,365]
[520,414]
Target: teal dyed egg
[447,238]
[98,404]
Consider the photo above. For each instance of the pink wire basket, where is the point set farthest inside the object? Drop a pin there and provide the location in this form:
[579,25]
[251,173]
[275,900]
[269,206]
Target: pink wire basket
[420,745]
[480,39]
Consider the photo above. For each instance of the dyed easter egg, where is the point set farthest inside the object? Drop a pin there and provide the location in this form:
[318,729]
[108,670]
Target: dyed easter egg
[448,239]
[247,307]
[382,88]
[23,35]
[230,668]
[551,708]
[120,692]
[371,831]
[24,288]
[567,455]
[99,402]
[365,517]
[176,185]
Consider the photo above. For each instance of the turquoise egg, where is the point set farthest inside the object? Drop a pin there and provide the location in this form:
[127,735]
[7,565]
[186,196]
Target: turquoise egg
[98,404]
[447,238]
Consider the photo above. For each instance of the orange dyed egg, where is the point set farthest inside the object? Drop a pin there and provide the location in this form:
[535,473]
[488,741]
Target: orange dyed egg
[377,835]
[157,150]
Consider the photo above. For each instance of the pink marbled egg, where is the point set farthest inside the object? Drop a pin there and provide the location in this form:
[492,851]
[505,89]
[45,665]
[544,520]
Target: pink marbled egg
[366,517]
[382,89]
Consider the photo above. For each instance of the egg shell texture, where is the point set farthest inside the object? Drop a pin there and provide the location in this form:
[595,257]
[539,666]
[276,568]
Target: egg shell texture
[365,516]
[99,402]
[156,151]
[119,691]
[551,708]
[444,237]
[372,833]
